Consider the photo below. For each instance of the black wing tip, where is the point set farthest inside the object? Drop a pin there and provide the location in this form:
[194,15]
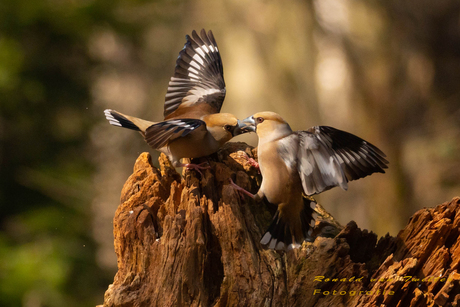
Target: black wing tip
[198,65]
[377,153]
[196,41]
[278,235]
[203,32]
[116,119]
[203,36]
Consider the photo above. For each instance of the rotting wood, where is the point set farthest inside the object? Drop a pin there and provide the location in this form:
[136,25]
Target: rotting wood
[192,241]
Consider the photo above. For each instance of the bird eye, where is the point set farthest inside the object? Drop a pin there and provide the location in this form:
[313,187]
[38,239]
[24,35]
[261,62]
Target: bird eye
[228,127]
[259,120]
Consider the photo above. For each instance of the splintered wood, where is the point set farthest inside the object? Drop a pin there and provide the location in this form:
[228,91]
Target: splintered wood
[194,241]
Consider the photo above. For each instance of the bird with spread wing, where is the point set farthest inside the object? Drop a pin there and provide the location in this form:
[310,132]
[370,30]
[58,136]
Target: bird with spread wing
[192,125]
[296,164]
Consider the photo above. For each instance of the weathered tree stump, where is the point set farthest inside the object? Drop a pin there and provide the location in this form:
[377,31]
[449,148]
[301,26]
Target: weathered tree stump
[193,241]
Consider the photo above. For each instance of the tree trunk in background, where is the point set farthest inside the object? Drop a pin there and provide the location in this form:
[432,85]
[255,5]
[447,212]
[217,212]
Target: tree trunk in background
[191,242]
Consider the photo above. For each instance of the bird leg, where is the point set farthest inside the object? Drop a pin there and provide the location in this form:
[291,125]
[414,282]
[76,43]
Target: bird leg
[196,167]
[241,190]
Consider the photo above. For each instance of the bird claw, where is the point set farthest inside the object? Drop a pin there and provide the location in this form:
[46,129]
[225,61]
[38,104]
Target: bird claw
[252,162]
[197,167]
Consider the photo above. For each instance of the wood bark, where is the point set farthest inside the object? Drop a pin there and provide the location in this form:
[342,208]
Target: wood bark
[192,240]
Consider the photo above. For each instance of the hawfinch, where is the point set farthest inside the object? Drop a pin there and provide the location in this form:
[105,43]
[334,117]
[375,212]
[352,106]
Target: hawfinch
[295,164]
[192,126]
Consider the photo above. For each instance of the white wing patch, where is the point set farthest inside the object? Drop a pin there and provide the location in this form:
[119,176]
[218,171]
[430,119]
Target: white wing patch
[318,168]
[193,76]
[287,148]
[200,92]
[193,70]
[198,76]
[195,65]
[197,58]
[307,168]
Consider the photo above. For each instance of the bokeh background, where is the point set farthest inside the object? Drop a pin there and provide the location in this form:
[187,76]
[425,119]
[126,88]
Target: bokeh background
[386,70]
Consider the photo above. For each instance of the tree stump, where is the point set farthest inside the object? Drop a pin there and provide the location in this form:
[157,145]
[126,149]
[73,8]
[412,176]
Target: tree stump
[193,241]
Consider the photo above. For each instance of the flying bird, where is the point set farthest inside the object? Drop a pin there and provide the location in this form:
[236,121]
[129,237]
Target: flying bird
[296,164]
[192,125]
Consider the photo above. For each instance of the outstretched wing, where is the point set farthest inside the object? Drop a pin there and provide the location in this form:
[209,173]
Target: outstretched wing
[158,135]
[198,77]
[328,157]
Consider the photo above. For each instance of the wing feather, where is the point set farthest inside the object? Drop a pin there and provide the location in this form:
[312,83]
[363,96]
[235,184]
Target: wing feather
[158,135]
[328,157]
[198,76]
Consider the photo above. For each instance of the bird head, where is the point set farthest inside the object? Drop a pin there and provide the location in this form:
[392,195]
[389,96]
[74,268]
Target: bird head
[224,126]
[267,125]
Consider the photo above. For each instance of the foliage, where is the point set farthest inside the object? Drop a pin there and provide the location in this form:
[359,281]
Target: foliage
[47,252]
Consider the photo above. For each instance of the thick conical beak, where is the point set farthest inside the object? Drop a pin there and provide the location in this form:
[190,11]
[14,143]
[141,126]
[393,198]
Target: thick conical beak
[243,127]
[249,121]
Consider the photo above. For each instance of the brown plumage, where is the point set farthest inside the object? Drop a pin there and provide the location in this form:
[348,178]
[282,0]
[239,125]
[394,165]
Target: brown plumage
[298,163]
[192,126]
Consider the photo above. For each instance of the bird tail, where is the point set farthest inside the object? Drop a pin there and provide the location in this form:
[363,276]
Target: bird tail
[285,235]
[121,120]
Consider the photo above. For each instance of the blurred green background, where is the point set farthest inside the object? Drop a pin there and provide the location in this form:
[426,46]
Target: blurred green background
[386,70]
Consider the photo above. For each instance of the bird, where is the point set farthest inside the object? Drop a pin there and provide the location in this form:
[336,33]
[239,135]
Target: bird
[192,125]
[295,165]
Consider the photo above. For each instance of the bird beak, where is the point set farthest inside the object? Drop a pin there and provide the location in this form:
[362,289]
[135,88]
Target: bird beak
[250,124]
[243,127]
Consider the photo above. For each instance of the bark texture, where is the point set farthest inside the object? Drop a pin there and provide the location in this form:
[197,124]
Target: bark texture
[193,241]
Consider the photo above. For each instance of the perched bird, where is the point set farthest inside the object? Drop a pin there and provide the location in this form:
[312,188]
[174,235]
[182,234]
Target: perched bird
[295,164]
[192,126]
